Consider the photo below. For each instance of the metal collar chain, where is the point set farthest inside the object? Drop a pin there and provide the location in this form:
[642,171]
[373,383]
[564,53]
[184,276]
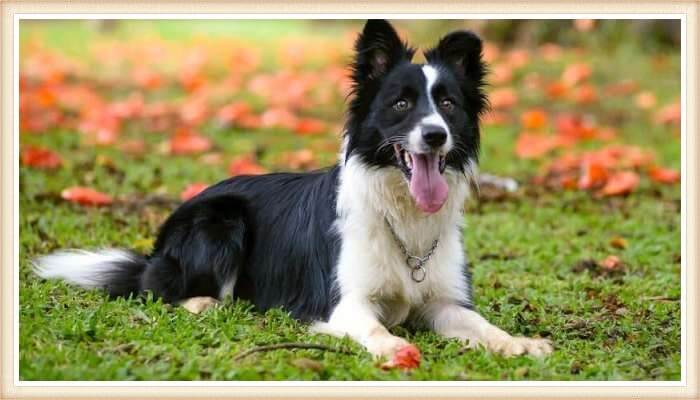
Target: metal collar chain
[415,263]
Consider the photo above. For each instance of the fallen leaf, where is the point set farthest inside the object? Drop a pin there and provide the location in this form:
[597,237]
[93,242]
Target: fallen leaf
[611,263]
[669,114]
[663,175]
[593,174]
[576,73]
[620,183]
[618,242]
[407,357]
[584,25]
[534,119]
[503,98]
[300,159]
[310,126]
[531,145]
[39,157]
[645,100]
[86,196]
[556,90]
[192,190]
[501,74]
[245,165]
[186,141]
[233,112]
[585,94]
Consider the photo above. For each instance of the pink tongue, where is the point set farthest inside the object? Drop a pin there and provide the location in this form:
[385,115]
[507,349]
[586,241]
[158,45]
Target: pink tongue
[428,186]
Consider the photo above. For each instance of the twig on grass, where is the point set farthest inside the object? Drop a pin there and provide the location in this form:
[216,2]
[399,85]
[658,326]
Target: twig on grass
[278,346]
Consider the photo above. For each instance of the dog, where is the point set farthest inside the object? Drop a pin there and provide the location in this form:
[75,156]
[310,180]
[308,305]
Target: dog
[370,243]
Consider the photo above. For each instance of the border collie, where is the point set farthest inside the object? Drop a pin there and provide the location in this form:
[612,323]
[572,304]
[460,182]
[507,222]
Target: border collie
[370,243]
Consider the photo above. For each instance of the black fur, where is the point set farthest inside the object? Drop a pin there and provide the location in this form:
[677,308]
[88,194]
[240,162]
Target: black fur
[275,232]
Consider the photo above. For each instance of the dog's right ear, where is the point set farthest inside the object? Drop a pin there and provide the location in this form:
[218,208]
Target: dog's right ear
[377,50]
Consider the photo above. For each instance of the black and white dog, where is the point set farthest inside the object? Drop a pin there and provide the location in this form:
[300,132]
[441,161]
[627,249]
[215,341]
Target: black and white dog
[365,245]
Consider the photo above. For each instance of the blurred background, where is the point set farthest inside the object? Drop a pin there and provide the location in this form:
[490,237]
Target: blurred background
[120,121]
[573,102]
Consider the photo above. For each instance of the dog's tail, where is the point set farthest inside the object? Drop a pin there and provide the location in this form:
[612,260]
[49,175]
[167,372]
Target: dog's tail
[117,271]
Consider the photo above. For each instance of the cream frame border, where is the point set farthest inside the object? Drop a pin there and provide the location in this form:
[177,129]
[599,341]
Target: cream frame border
[8,211]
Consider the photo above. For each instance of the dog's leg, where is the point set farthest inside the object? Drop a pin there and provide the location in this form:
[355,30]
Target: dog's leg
[357,318]
[455,321]
[197,305]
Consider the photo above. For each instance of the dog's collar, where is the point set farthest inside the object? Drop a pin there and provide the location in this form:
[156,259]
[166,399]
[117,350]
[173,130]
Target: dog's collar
[415,263]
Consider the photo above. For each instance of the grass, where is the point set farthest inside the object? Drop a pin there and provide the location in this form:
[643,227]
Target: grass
[524,251]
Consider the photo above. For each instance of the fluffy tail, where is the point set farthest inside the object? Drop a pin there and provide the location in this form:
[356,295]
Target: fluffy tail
[117,271]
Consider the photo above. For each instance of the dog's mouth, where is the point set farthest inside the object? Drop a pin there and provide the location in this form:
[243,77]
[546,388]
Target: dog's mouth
[424,173]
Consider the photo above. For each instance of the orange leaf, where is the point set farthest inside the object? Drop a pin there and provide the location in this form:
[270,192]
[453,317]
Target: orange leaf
[39,157]
[534,145]
[645,100]
[503,98]
[663,175]
[620,183]
[232,112]
[501,74]
[86,196]
[533,119]
[611,263]
[278,118]
[585,94]
[245,165]
[407,357]
[185,141]
[192,190]
[669,114]
[556,90]
[593,174]
[576,73]
[310,126]
[301,159]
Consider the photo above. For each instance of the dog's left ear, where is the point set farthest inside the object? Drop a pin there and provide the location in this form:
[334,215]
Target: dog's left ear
[460,50]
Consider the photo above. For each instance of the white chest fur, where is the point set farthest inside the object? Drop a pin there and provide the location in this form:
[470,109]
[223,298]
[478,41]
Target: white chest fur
[371,264]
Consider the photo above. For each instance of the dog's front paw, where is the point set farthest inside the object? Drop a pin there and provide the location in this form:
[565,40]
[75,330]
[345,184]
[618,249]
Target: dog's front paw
[517,345]
[386,345]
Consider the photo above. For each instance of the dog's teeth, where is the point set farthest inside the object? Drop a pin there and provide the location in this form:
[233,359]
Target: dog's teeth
[407,159]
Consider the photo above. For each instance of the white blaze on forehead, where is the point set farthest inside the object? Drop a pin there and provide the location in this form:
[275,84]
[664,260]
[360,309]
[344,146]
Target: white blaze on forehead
[433,118]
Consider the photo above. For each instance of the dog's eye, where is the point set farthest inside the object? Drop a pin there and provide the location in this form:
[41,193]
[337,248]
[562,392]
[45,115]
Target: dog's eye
[402,105]
[447,104]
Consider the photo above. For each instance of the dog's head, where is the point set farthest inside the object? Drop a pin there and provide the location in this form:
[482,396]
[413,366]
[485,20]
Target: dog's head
[419,118]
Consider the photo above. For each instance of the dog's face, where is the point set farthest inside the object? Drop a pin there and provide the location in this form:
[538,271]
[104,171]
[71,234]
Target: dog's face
[421,119]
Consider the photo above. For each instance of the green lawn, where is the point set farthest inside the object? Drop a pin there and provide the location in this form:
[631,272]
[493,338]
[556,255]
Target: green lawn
[526,252]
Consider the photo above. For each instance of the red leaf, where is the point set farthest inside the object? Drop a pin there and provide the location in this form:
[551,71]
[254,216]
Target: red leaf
[620,183]
[192,190]
[39,157]
[186,141]
[86,196]
[245,165]
[407,357]
[663,175]
[593,174]
[531,145]
[310,126]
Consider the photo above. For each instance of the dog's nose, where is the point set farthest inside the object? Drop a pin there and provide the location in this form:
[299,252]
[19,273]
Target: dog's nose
[434,137]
